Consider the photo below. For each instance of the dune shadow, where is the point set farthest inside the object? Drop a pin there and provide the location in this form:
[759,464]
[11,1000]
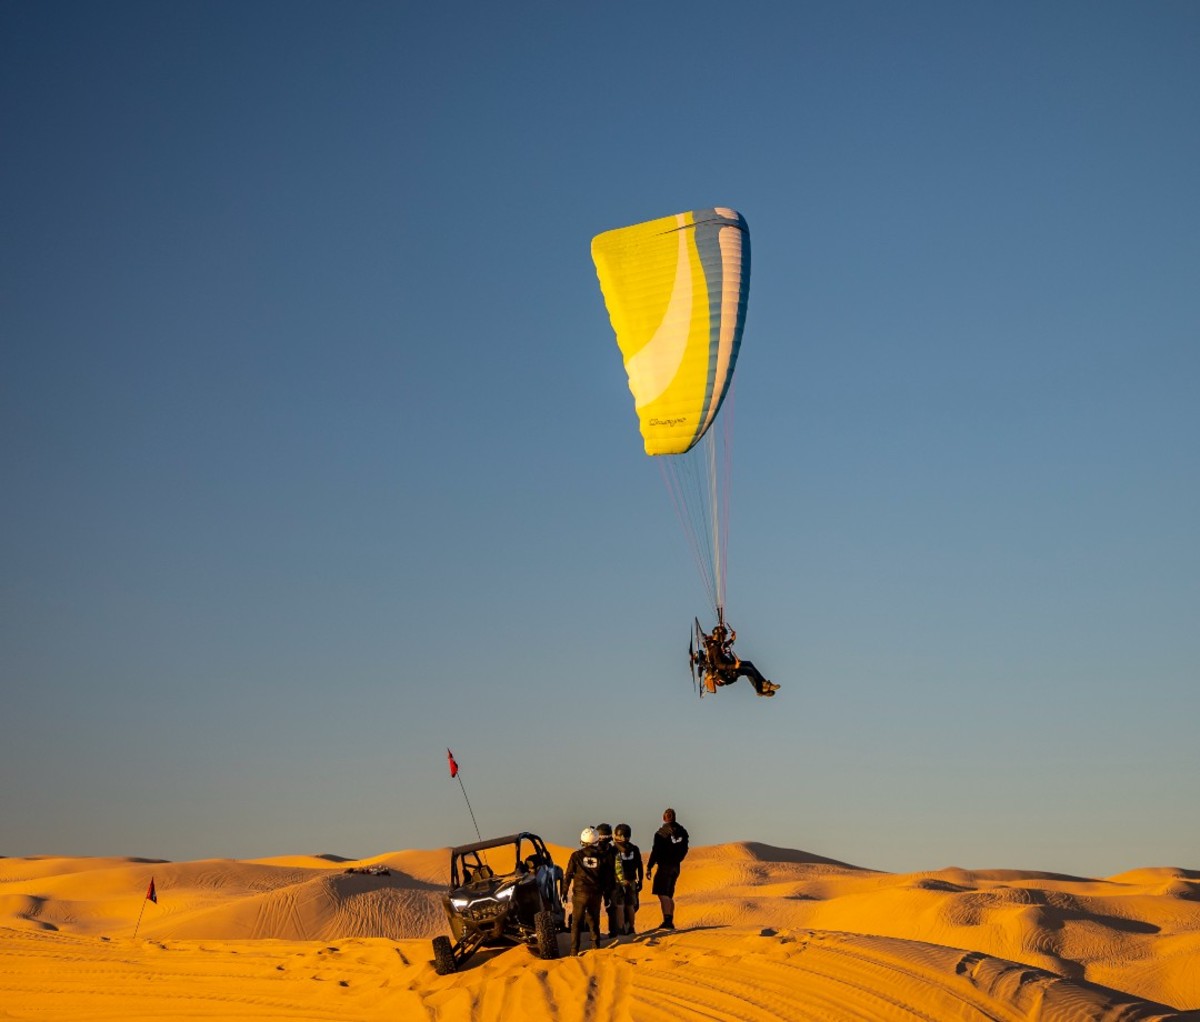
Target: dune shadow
[1003,875]
[773,853]
[934,884]
[32,913]
[1052,919]
[654,931]
[359,883]
[1118,923]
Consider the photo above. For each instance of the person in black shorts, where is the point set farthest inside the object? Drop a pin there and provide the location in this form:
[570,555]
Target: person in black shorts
[670,849]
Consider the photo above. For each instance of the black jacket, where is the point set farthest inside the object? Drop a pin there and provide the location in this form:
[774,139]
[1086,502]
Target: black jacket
[590,869]
[670,846]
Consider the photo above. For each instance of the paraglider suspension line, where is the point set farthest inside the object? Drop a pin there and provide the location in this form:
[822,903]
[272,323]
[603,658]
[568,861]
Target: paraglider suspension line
[682,485]
[726,478]
[699,484]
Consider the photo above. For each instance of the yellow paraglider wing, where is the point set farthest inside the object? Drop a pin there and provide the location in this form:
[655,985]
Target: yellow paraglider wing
[676,291]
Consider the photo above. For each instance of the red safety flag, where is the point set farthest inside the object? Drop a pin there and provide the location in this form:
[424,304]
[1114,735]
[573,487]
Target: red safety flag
[151,893]
[453,765]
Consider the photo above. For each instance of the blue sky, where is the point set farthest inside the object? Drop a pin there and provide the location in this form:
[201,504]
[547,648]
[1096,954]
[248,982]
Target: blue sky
[318,455]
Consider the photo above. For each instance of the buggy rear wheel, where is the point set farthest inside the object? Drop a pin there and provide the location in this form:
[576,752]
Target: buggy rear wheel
[547,935]
[443,956]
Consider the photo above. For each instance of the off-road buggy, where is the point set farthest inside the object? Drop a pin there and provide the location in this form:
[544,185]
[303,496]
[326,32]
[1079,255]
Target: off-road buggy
[502,891]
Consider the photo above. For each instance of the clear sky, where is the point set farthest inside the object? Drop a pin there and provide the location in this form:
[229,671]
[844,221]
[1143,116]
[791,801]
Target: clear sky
[318,455]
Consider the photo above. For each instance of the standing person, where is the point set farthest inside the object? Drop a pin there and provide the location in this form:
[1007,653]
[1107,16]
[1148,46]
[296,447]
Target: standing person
[628,875]
[606,846]
[587,877]
[670,849]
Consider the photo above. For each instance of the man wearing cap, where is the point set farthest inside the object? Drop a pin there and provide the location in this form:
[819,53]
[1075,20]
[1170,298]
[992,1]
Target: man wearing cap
[670,849]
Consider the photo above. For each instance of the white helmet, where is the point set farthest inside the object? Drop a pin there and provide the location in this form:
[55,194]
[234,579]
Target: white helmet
[589,836]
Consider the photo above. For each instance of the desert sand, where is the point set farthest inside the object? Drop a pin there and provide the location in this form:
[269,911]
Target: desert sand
[764,933]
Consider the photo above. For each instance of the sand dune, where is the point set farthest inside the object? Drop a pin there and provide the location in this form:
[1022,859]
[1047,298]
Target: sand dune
[767,933]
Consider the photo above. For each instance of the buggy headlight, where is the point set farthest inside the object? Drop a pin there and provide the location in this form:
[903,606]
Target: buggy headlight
[460,903]
[506,893]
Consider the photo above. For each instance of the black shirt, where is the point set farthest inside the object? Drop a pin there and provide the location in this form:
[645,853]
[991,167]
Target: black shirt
[670,846]
[591,870]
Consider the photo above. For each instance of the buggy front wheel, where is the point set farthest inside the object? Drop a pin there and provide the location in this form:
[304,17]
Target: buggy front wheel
[547,935]
[443,956]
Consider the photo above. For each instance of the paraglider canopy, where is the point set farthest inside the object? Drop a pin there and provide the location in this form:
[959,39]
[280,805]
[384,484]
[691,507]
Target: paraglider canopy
[676,291]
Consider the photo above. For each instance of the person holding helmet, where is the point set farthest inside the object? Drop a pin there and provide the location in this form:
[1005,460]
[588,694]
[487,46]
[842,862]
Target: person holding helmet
[627,862]
[588,875]
[670,848]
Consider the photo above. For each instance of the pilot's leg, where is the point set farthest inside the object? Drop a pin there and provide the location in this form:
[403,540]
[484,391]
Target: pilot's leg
[761,685]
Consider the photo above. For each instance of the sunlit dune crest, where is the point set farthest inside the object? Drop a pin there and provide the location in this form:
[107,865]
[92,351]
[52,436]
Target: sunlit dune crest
[765,933]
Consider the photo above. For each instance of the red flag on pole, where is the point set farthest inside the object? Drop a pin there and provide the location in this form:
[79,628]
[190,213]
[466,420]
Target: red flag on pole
[454,773]
[151,893]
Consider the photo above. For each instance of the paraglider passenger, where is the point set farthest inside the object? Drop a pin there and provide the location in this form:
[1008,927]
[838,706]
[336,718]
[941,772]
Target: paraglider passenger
[724,666]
